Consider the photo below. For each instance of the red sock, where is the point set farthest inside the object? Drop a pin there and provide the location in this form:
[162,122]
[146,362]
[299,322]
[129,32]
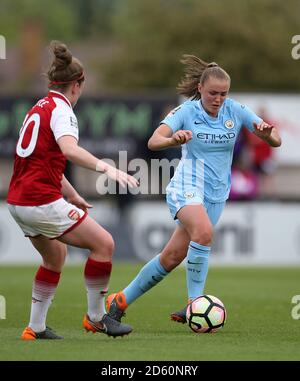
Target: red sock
[97,275]
[43,291]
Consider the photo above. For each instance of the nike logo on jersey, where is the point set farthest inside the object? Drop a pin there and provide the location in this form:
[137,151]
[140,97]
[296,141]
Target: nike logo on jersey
[196,122]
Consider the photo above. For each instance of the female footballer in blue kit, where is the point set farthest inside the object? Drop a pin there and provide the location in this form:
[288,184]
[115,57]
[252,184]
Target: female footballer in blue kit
[206,126]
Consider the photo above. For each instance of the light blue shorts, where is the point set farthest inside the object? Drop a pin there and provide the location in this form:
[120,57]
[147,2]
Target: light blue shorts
[176,200]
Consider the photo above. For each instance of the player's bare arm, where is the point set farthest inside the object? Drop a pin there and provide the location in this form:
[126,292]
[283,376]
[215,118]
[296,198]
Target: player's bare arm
[163,137]
[78,155]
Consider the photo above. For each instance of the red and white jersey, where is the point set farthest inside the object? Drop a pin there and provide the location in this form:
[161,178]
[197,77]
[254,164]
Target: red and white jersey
[39,163]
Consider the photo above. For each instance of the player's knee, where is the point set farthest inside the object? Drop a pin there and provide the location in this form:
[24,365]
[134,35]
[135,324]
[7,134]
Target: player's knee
[203,236]
[105,246]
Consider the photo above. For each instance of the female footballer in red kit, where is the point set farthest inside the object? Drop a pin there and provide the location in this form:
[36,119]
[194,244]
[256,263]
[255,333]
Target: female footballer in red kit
[47,207]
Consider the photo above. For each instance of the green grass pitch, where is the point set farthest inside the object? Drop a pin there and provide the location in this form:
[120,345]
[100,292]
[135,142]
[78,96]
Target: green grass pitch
[259,324]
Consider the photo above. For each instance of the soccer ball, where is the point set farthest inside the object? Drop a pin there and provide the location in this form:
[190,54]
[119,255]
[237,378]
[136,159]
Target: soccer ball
[206,314]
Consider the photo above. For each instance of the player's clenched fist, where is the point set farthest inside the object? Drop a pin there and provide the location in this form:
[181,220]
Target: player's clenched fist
[181,137]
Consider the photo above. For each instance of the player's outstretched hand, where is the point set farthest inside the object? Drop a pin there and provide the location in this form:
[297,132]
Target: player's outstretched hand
[79,202]
[263,130]
[122,177]
[181,137]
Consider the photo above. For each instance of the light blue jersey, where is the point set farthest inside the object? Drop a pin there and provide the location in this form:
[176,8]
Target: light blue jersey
[204,170]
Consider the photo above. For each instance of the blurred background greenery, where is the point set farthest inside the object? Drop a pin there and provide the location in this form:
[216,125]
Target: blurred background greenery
[136,45]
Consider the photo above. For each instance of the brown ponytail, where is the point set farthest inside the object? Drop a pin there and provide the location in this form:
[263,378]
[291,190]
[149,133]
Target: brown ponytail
[64,69]
[198,71]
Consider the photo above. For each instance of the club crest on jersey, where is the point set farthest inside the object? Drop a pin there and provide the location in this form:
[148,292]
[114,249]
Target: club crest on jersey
[74,215]
[189,194]
[229,123]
